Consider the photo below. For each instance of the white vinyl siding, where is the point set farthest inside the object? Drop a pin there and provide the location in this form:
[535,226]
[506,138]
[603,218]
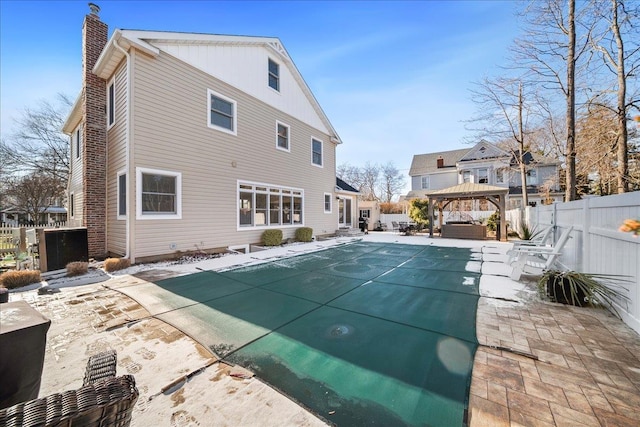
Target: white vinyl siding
[282,136]
[158,194]
[316,152]
[222,112]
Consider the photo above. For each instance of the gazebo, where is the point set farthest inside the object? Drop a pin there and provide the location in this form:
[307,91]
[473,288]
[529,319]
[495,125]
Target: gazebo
[469,191]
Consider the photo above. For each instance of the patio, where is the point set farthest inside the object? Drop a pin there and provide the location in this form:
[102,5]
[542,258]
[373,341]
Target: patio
[587,372]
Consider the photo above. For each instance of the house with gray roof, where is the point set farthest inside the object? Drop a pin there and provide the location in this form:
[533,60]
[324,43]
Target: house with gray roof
[485,163]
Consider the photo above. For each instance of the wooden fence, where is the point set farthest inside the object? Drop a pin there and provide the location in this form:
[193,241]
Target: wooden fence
[597,246]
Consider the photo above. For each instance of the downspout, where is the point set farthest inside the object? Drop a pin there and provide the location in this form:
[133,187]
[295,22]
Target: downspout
[127,160]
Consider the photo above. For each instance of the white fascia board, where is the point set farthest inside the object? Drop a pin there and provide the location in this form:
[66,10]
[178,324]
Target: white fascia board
[74,117]
[111,56]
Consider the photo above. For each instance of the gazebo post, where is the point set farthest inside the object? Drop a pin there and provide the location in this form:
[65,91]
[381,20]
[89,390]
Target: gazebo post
[430,209]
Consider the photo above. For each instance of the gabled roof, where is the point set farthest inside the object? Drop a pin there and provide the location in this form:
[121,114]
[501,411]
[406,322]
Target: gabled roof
[470,189]
[113,54]
[484,150]
[428,163]
[343,186]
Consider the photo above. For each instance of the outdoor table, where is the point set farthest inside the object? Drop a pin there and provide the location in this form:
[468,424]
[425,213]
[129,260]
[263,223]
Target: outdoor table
[23,337]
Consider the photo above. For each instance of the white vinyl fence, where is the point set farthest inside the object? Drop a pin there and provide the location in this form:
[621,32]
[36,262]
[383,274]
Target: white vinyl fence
[596,244]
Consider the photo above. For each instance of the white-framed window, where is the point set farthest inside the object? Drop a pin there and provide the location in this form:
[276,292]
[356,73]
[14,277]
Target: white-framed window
[222,112]
[328,197]
[78,141]
[111,103]
[316,152]
[274,75]
[483,176]
[72,207]
[159,194]
[466,176]
[424,182]
[501,176]
[532,177]
[282,136]
[266,205]
[122,195]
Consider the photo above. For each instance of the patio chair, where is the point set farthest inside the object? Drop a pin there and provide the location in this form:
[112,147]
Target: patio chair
[103,400]
[534,260]
[395,226]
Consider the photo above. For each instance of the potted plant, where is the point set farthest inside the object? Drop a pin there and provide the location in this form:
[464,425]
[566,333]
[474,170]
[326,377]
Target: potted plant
[583,289]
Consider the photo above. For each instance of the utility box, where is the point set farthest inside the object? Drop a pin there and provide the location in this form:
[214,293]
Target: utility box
[60,246]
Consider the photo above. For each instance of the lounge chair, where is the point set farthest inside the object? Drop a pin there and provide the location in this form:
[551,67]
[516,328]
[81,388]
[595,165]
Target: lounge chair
[534,260]
[103,400]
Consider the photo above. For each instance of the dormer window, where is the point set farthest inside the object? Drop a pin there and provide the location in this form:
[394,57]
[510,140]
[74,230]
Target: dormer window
[274,75]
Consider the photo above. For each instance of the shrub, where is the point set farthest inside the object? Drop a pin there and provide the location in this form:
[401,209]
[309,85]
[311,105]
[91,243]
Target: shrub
[77,268]
[304,234]
[272,237]
[17,279]
[492,221]
[419,212]
[115,264]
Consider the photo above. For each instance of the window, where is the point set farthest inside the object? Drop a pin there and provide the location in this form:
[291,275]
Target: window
[424,182]
[261,205]
[327,202]
[282,137]
[78,143]
[222,113]
[483,176]
[72,208]
[316,152]
[466,176]
[159,194]
[365,213]
[274,75]
[111,103]
[122,195]
[501,176]
[532,177]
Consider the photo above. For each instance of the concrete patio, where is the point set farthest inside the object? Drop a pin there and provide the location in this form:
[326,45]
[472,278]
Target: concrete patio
[538,364]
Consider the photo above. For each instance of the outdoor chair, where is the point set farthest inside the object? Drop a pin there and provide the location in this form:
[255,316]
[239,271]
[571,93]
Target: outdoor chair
[535,260]
[395,226]
[103,400]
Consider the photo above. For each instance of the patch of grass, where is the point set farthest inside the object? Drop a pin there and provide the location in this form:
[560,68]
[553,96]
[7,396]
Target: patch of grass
[18,279]
[115,264]
[77,268]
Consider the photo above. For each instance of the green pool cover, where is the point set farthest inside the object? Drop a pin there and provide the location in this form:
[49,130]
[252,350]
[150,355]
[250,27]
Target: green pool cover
[361,334]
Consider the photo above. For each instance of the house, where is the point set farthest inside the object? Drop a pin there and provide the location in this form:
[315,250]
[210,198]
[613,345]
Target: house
[185,142]
[485,163]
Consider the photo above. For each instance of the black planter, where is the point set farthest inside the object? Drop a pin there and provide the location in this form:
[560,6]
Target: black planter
[559,290]
[4,295]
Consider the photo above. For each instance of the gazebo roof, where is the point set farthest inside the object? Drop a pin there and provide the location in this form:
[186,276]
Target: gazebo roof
[468,189]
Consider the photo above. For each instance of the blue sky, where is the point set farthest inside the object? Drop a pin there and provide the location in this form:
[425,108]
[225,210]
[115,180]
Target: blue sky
[393,77]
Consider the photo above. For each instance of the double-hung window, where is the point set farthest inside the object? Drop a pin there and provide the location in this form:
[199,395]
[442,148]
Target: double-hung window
[316,152]
[274,75]
[282,137]
[222,112]
[327,202]
[424,182]
[111,103]
[483,176]
[159,194]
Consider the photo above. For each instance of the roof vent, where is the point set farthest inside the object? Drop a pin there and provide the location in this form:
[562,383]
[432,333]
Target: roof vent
[95,9]
[440,162]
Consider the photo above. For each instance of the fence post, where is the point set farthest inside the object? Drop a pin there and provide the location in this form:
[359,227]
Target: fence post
[586,234]
[22,246]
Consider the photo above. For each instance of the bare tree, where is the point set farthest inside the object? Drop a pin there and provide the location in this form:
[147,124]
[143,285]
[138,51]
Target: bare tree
[392,182]
[619,47]
[370,176]
[350,174]
[34,193]
[503,116]
[39,146]
[549,51]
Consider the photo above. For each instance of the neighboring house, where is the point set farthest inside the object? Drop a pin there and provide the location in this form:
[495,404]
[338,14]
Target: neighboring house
[186,142]
[14,217]
[485,163]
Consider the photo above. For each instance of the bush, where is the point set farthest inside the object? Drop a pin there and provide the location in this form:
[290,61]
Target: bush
[17,279]
[304,234]
[115,264]
[272,237]
[77,268]
[419,212]
[492,221]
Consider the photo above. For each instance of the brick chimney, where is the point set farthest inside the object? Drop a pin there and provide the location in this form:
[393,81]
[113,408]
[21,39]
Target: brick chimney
[94,101]
[440,162]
